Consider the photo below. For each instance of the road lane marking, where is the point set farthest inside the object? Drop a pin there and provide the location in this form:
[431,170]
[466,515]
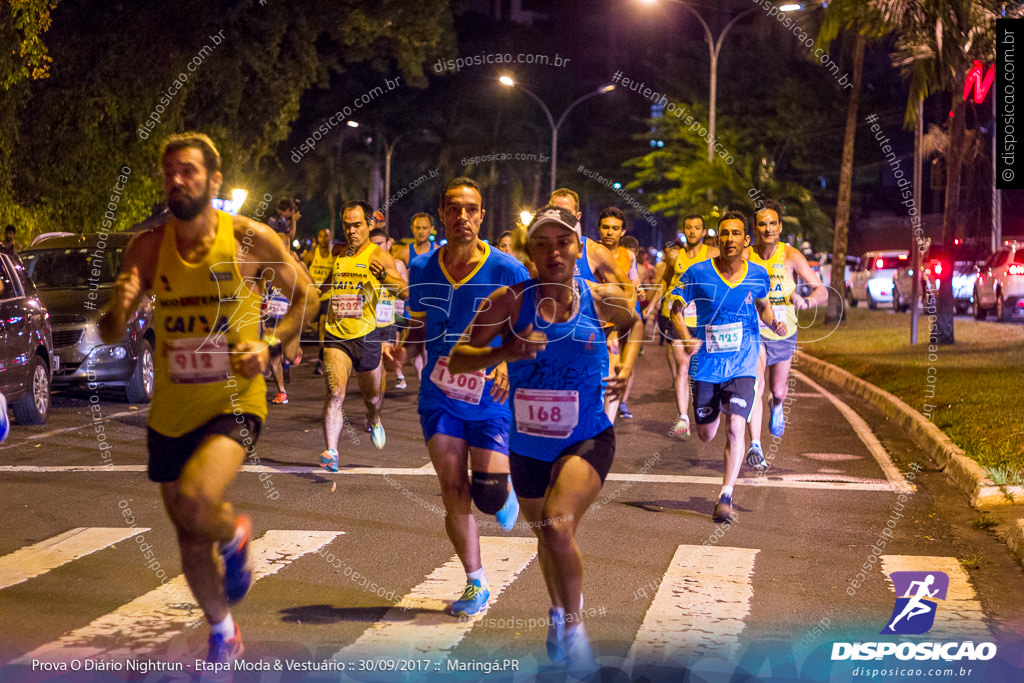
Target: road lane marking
[140,626]
[959,616]
[419,625]
[87,423]
[861,428]
[35,560]
[700,606]
[809,480]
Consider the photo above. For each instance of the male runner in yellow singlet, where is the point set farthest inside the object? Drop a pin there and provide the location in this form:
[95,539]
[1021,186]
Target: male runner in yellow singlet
[782,262]
[209,397]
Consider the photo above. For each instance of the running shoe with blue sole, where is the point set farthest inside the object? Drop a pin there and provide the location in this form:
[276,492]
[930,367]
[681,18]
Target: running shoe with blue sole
[474,598]
[377,436]
[225,650]
[509,512]
[556,634]
[579,658]
[237,569]
[329,460]
[777,421]
[755,458]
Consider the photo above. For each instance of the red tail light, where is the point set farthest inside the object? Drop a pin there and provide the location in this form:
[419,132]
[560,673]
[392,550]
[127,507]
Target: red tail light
[878,263]
[938,269]
[1016,270]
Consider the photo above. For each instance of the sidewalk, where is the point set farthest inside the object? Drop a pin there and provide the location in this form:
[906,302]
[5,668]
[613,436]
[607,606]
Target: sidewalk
[963,404]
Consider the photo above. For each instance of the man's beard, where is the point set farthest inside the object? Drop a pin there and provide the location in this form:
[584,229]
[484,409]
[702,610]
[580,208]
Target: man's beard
[185,209]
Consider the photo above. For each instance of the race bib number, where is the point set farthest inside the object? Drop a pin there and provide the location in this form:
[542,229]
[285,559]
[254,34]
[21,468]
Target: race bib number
[399,307]
[690,312]
[198,360]
[277,307]
[724,338]
[347,305]
[467,387]
[386,312]
[549,413]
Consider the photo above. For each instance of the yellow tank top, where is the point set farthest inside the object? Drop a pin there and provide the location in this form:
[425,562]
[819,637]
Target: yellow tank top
[782,288]
[202,310]
[320,267]
[353,293]
[682,263]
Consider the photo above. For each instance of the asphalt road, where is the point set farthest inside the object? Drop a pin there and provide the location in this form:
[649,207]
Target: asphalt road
[355,567]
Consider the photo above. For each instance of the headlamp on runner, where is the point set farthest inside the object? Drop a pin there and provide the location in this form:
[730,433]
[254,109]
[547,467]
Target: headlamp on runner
[556,215]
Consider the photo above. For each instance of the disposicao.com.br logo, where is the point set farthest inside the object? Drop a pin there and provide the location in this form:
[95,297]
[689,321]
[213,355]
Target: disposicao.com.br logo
[916,604]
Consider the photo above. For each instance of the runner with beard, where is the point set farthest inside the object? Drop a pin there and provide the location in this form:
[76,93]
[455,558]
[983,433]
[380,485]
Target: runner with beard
[204,267]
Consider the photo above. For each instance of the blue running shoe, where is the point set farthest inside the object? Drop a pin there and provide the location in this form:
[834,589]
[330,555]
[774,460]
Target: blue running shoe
[624,412]
[473,599]
[723,509]
[579,658]
[237,569]
[777,421]
[508,515]
[329,460]
[755,457]
[377,436]
[556,634]
[225,650]
[5,423]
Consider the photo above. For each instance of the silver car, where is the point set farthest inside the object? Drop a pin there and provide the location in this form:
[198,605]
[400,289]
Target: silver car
[75,277]
[871,281]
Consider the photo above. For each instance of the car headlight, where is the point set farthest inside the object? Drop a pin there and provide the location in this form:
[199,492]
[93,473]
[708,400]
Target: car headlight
[106,354]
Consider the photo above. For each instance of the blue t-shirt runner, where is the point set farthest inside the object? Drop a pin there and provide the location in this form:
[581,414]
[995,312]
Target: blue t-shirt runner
[458,405]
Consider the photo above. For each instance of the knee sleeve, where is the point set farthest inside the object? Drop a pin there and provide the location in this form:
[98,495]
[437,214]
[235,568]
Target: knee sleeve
[489,491]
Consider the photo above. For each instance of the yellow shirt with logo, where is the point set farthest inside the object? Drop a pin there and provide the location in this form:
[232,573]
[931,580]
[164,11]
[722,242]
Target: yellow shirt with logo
[782,288]
[321,266]
[682,263]
[353,296]
[202,310]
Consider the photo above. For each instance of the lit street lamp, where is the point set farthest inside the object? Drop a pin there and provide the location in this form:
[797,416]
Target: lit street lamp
[510,83]
[714,49]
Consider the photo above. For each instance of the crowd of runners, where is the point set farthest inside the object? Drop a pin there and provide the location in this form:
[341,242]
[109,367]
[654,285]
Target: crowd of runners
[524,354]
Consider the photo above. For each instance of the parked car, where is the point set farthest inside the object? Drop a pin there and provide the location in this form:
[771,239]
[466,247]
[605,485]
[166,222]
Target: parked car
[26,343]
[965,264]
[75,277]
[871,280]
[825,268]
[1000,284]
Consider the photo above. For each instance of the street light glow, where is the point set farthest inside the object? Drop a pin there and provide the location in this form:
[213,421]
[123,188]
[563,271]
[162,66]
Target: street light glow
[525,217]
[352,124]
[606,88]
[507,81]
[791,7]
[238,196]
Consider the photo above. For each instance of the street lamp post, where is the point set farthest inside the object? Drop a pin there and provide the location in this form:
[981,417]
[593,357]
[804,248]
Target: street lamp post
[714,50]
[555,125]
[389,149]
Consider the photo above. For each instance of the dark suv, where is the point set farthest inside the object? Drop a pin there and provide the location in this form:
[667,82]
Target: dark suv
[26,347]
[75,276]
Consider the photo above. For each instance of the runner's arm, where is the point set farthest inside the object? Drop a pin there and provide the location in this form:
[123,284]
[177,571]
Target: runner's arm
[493,318]
[767,315]
[607,299]
[382,267]
[132,283]
[819,293]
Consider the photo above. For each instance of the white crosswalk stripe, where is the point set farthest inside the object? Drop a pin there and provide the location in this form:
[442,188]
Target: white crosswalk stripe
[701,604]
[419,625]
[36,560]
[150,620]
[959,616]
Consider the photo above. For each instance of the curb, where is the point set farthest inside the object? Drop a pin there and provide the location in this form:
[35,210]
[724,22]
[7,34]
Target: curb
[966,474]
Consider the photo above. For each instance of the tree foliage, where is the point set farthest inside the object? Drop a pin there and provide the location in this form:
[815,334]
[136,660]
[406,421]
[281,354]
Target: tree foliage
[235,70]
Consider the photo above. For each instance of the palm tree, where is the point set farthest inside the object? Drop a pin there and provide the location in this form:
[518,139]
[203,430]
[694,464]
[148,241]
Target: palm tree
[939,41]
[863,19]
